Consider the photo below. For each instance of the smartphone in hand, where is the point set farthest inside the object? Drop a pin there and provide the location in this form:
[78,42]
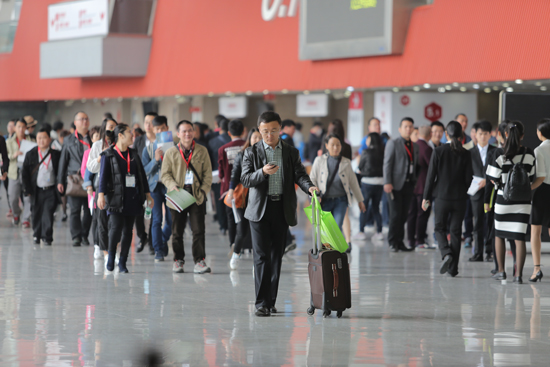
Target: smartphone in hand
[273,163]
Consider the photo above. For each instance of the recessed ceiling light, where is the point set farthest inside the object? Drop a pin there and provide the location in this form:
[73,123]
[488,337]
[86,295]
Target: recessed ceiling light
[210,94]
[448,87]
[119,99]
[248,93]
[228,93]
[395,89]
[455,84]
[475,86]
[509,89]
[83,100]
[463,89]
[538,84]
[347,93]
[427,85]
[306,92]
[327,91]
[350,89]
[495,87]
[543,88]
[519,81]
[441,89]
[505,85]
[284,91]
[487,90]
[416,89]
[266,91]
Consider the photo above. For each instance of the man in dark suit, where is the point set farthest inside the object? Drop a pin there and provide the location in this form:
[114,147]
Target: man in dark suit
[214,146]
[39,177]
[480,152]
[270,168]
[400,172]
[417,221]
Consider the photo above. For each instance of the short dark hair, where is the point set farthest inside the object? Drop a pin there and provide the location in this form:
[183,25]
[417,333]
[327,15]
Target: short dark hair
[483,125]
[224,125]
[438,123]
[288,122]
[46,125]
[219,119]
[108,115]
[544,127]
[460,114]
[318,123]
[183,122]
[76,114]
[269,116]
[330,136]
[406,119]
[373,118]
[160,120]
[21,120]
[299,126]
[43,130]
[151,113]
[58,125]
[64,133]
[95,129]
[236,127]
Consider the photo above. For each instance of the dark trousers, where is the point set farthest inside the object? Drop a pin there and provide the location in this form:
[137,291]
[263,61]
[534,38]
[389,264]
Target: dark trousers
[268,241]
[6,184]
[140,225]
[399,209]
[220,207]
[478,212]
[102,230]
[93,229]
[417,222]
[45,203]
[468,220]
[80,227]
[231,225]
[455,210]
[196,215]
[372,194]
[242,238]
[120,230]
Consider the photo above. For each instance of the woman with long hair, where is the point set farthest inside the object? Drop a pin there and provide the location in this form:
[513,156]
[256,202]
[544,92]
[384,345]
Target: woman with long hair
[372,183]
[122,190]
[511,217]
[243,227]
[540,213]
[449,177]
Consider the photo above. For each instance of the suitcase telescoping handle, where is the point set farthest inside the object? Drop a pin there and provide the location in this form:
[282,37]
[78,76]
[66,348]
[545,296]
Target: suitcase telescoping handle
[316,216]
[336,281]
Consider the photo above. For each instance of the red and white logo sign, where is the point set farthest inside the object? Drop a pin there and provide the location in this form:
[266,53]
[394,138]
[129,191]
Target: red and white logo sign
[78,19]
[433,112]
[233,107]
[356,101]
[405,100]
[277,8]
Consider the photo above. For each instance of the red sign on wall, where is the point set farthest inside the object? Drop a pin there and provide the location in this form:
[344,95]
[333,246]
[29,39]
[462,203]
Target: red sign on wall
[433,112]
[405,100]
[356,101]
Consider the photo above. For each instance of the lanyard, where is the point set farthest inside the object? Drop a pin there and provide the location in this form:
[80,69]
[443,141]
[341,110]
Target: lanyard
[126,159]
[77,138]
[190,154]
[18,142]
[44,163]
[463,140]
[409,153]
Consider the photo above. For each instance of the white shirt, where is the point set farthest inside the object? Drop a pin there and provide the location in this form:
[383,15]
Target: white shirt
[483,153]
[45,171]
[542,163]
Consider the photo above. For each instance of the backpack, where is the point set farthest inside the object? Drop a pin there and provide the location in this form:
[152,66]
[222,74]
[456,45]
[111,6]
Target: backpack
[518,185]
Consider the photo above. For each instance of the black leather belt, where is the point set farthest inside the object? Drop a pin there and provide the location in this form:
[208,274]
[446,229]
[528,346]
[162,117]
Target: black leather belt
[47,188]
[275,197]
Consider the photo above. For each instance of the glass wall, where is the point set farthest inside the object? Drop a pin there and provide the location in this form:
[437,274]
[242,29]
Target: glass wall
[9,17]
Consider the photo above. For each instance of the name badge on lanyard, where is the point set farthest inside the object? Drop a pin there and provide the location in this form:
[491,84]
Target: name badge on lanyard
[130,181]
[189,177]
[411,169]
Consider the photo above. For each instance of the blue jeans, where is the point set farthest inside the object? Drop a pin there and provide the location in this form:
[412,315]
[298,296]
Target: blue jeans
[372,194]
[160,236]
[337,206]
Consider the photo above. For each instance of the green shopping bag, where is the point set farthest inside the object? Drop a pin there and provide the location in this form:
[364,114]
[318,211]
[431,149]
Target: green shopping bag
[330,232]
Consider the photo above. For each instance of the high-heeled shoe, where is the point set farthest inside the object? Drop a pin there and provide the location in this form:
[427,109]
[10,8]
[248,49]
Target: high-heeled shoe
[518,280]
[500,276]
[538,276]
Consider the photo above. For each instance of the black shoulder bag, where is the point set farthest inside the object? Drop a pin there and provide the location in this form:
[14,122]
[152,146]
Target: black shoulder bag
[39,163]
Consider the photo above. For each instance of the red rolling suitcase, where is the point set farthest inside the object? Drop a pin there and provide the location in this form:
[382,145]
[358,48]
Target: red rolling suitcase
[328,275]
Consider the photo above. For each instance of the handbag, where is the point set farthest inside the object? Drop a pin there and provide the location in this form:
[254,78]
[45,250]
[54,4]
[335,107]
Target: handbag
[239,195]
[74,186]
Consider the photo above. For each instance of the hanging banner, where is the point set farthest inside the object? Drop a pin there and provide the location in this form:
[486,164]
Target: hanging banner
[78,19]
[232,107]
[311,105]
[356,118]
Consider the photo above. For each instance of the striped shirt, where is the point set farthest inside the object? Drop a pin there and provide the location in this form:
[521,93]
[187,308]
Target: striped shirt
[511,218]
[276,179]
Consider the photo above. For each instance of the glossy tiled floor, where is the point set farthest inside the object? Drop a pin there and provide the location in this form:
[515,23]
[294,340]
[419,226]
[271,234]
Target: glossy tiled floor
[58,308]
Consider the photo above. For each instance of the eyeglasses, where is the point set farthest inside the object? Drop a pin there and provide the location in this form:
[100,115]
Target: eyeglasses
[274,132]
[83,119]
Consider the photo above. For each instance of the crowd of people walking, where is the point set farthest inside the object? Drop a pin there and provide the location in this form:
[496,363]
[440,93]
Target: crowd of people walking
[115,177]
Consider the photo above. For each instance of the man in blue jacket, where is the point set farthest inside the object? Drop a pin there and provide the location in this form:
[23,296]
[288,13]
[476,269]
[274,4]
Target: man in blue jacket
[152,162]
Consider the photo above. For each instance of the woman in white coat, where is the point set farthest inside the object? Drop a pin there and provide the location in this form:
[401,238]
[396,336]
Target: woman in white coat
[335,178]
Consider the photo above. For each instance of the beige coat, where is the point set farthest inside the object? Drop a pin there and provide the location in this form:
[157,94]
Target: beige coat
[174,168]
[319,177]
[11,145]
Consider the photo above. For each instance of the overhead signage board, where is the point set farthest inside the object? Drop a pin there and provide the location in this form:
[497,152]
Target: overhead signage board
[311,105]
[233,107]
[77,19]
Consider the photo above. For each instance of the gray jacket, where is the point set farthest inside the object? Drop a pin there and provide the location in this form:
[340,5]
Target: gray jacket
[396,163]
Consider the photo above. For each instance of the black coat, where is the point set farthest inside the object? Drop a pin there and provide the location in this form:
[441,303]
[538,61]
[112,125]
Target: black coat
[32,158]
[71,157]
[479,169]
[252,176]
[372,163]
[4,154]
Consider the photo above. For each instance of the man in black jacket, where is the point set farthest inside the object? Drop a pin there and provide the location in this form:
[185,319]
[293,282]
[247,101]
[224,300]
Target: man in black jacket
[39,176]
[70,163]
[270,169]
[214,146]
[480,151]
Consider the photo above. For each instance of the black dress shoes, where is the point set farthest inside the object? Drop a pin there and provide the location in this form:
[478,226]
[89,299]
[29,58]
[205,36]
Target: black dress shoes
[273,309]
[489,258]
[404,248]
[142,243]
[518,280]
[476,258]
[263,312]
[446,263]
